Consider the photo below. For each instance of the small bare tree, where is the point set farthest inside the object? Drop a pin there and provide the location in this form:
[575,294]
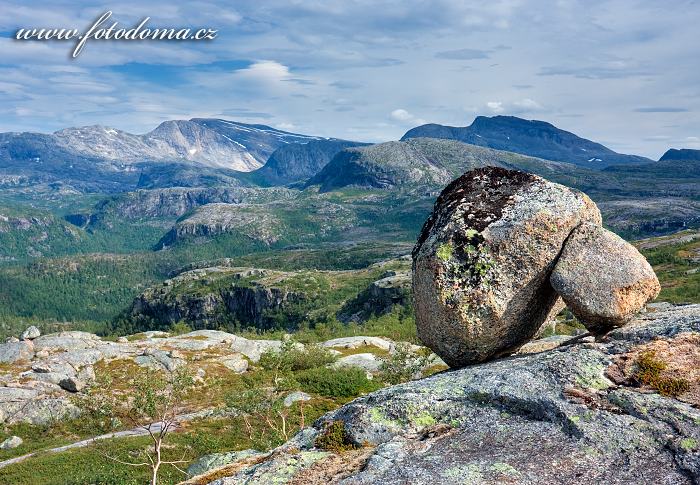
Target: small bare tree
[153,405]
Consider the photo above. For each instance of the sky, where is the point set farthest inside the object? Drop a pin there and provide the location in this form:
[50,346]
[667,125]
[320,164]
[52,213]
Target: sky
[622,73]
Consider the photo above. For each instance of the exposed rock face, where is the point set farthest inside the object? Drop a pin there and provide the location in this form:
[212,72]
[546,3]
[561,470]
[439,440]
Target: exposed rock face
[394,288]
[602,278]
[241,299]
[482,262]
[553,417]
[16,351]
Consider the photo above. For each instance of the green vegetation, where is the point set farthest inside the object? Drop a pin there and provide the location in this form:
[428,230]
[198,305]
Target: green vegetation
[649,372]
[336,383]
[334,438]
[678,267]
[292,357]
[403,364]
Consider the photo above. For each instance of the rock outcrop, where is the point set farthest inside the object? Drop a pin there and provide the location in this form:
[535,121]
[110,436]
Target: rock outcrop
[562,416]
[482,262]
[602,278]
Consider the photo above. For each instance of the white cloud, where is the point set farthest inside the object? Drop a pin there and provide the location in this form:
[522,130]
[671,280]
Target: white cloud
[495,106]
[517,107]
[265,71]
[406,118]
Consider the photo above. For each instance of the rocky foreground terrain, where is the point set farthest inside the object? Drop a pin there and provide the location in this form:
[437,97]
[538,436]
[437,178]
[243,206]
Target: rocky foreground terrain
[578,413]
[40,373]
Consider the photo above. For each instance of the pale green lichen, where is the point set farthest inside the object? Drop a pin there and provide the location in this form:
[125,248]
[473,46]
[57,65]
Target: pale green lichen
[444,251]
[504,468]
[591,377]
[468,474]
[423,420]
[378,417]
[689,444]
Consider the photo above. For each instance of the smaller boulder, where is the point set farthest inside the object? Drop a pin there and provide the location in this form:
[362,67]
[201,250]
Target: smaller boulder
[602,278]
[11,442]
[123,340]
[294,397]
[30,333]
[236,363]
[366,361]
[72,384]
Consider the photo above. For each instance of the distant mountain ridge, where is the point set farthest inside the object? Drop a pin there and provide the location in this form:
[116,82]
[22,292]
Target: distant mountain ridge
[98,158]
[528,137]
[680,154]
[210,142]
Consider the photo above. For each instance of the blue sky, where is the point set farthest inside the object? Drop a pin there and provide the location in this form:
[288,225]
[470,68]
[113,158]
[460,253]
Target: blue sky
[624,73]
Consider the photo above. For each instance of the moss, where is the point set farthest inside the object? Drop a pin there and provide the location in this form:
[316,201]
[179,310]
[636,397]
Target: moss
[334,437]
[445,251]
[689,444]
[649,370]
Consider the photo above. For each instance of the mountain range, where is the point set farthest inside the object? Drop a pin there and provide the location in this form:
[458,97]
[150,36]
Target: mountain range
[529,137]
[215,152]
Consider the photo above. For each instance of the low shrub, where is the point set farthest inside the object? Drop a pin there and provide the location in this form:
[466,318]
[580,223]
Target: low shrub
[335,382]
[293,357]
[334,438]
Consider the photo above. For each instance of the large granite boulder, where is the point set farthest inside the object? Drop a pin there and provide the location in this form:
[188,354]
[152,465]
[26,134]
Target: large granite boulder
[602,278]
[482,262]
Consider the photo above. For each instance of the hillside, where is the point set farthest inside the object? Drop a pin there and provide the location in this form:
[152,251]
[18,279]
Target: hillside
[528,137]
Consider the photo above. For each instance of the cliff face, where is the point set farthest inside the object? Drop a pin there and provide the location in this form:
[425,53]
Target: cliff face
[580,414]
[243,301]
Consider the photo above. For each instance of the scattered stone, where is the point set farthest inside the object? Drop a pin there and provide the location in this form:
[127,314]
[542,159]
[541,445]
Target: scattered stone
[237,363]
[30,333]
[11,340]
[367,362]
[41,368]
[123,340]
[294,397]
[602,278]
[72,384]
[11,442]
[482,262]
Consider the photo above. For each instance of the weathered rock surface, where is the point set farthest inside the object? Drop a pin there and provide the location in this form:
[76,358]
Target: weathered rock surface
[37,387]
[216,460]
[365,361]
[602,278]
[355,342]
[16,351]
[552,417]
[482,262]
